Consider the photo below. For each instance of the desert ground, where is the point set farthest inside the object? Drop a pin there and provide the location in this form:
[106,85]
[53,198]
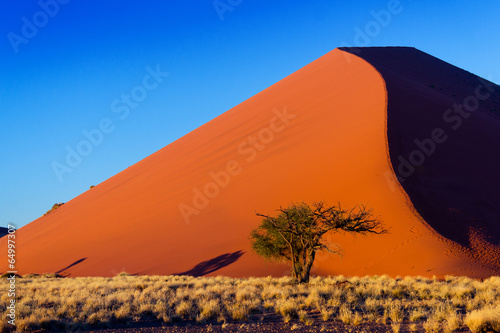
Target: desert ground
[126,303]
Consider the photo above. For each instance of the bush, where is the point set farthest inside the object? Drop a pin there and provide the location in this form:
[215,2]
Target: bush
[484,320]
[51,275]
[8,275]
[56,205]
[31,276]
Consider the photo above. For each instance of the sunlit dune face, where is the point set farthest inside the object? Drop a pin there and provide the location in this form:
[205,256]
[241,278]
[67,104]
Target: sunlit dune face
[319,134]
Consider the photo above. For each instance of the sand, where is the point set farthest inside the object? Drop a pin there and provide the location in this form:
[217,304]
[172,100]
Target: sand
[455,186]
[331,132]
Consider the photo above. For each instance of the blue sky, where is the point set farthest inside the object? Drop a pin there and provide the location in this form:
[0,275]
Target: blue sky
[67,67]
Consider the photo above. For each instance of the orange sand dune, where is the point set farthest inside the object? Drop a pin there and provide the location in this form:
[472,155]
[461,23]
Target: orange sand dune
[455,187]
[322,133]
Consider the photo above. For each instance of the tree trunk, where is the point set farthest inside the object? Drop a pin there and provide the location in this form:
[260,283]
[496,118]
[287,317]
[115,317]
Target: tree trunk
[294,262]
[304,276]
[306,270]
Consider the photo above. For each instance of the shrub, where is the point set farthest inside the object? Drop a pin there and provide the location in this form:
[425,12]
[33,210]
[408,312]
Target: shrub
[9,275]
[51,275]
[54,207]
[484,320]
[31,276]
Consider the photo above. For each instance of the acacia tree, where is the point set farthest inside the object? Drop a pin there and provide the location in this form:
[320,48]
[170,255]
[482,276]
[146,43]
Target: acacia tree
[296,233]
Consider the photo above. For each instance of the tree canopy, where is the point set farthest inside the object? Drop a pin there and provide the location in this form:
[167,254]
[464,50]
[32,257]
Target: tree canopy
[297,232]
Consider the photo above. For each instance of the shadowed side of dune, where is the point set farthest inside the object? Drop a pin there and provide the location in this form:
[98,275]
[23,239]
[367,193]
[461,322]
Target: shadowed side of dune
[444,144]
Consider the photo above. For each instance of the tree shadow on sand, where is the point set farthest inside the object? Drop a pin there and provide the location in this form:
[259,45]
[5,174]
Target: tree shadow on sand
[212,265]
[73,264]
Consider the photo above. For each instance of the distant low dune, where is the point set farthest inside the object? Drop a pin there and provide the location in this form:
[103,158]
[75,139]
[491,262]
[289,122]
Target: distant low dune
[341,129]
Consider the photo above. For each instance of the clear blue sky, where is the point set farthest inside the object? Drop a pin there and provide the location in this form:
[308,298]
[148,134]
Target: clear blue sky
[64,70]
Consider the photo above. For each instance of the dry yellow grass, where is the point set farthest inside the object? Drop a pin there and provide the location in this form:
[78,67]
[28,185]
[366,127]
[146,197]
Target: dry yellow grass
[484,320]
[45,302]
